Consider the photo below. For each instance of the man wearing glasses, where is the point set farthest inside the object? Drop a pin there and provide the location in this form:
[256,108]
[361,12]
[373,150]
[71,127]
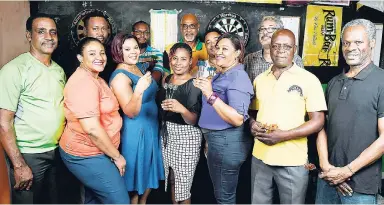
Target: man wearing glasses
[189,27]
[259,61]
[148,54]
[285,94]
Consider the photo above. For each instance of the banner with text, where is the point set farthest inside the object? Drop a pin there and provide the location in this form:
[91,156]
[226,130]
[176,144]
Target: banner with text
[322,35]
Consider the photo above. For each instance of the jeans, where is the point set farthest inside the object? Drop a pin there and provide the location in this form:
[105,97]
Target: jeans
[327,194]
[227,150]
[44,186]
[101,178]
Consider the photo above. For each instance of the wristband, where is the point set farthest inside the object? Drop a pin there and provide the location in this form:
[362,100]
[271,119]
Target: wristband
[212,98]
[353,173]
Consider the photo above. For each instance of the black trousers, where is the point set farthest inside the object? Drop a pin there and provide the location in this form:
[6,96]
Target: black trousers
[44,186]
[52,181]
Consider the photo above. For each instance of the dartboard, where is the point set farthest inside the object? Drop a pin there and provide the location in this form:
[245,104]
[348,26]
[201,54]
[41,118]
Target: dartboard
[230,23]
[77,27]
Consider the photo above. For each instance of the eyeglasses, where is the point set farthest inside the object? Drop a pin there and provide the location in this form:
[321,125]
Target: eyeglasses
[285,47]
[269,29]
[145,33]
[190,26]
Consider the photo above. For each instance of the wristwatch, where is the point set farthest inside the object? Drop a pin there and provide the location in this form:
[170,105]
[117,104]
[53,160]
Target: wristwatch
[212,98]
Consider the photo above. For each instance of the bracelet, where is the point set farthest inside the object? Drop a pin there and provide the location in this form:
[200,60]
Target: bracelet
[353,173]
[212,98]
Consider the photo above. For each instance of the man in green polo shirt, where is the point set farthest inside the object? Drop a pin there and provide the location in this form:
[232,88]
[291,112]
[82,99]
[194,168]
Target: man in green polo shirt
[31,114]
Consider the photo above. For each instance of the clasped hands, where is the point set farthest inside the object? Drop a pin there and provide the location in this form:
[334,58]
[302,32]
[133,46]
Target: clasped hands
[334,176]
[338,177]
[267,136]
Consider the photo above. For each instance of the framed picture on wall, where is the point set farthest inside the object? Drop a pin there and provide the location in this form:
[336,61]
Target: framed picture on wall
[377,50]
[333,2]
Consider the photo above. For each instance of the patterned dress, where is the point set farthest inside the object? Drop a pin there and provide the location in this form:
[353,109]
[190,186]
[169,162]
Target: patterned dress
[181,141]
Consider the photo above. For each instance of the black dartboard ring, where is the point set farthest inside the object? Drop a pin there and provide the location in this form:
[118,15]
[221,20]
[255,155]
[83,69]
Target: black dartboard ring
[77,26]
[230,23]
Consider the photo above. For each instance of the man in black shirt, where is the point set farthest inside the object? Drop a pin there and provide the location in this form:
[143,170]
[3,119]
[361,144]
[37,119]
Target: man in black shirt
[96,26]
[350,149]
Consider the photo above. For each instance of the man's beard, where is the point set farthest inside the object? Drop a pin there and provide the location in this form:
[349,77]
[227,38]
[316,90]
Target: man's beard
[143,45]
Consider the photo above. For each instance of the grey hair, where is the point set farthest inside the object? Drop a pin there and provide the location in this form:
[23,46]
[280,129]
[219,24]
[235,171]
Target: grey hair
[276,19]
[368,25]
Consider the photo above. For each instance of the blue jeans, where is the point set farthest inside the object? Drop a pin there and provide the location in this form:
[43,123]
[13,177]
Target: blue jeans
[327,194]
[227,150]
[101,178]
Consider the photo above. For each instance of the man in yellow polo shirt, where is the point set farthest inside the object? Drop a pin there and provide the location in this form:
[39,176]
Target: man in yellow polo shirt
[189,28]
[285,93]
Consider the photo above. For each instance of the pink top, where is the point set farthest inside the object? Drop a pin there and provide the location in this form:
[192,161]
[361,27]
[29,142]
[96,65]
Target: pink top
[86,96]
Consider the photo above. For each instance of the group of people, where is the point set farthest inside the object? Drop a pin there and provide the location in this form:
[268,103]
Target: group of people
[121,123]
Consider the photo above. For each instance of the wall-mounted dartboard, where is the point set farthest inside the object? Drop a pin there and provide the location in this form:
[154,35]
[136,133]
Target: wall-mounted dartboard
[230,23]
[77,26]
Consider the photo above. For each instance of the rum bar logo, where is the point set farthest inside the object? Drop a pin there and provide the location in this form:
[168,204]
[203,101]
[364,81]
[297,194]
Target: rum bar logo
[322,35]
[329,32]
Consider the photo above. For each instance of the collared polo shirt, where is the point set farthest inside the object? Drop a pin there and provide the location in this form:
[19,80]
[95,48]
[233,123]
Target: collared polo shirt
[255,64]
[285,102]
[199,52]
[35,93]
[355,104]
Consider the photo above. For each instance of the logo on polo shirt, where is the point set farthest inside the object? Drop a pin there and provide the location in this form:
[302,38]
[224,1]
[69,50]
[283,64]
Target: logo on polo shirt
[77,26]
[230,23]
[297,89]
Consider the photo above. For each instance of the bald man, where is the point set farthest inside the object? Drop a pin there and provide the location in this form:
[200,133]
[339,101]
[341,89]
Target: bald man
[189,28]
[285,93]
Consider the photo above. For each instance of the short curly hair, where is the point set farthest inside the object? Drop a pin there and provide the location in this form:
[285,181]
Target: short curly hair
[368,25]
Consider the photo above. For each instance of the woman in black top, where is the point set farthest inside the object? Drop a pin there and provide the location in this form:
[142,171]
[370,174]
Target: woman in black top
[181,104]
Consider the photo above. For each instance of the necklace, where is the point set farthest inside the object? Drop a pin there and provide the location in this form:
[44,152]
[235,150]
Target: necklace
[131,68]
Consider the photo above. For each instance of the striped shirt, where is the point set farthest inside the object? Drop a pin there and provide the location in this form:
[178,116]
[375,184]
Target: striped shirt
[152,54]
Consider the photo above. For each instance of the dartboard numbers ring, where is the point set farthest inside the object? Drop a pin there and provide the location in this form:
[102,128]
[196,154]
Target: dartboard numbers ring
[230,23]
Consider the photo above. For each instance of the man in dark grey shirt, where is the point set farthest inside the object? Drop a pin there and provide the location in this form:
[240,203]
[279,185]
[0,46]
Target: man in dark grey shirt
[353,143]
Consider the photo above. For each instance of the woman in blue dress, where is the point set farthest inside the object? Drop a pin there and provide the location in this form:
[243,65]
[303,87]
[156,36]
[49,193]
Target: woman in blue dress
[140,142]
